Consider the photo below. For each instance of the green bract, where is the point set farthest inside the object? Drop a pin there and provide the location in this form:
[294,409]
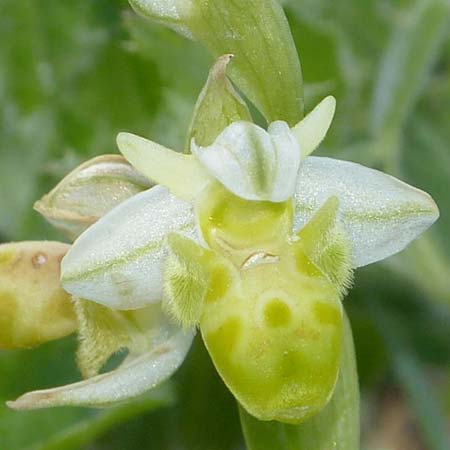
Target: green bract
[257,32]
[248,239]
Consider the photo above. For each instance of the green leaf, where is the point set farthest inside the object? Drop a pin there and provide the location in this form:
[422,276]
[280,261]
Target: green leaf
[410,375]
[266,67]
[335,427]
[406,63]
[67,88]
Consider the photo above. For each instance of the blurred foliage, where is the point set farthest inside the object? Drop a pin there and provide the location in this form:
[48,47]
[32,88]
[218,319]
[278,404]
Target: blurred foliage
[75,73]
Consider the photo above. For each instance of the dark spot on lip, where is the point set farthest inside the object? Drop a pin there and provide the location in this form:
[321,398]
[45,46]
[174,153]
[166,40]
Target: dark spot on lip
[277,313]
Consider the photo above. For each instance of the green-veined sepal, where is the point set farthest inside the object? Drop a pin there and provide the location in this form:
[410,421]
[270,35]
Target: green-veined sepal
[118,261]
[135,376]
[380,214]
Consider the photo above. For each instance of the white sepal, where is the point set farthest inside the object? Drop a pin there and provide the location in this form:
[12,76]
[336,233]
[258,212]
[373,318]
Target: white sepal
[380,213]
[253,163]
[118,261]
[182,174]
[131,379]
[311,131]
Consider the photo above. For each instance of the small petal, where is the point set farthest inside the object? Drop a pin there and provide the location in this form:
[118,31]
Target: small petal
[253,163]
[118,261]
[131,379]
[182,174]
[311,131]
[33,307]
[380,214]
[103,331]
[327,246]
[186,280]
[89,192]
[172,13]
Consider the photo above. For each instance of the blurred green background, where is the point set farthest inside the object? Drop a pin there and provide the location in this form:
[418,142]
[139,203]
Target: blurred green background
[73,74]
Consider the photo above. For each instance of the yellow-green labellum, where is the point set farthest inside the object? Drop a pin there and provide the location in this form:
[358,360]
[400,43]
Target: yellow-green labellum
[272,320]
[237,228]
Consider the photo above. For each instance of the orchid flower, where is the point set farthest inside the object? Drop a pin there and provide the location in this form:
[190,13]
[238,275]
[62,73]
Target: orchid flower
[250,240]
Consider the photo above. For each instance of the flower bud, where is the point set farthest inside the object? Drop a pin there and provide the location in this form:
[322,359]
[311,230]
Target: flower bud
[33,307]
[89,192]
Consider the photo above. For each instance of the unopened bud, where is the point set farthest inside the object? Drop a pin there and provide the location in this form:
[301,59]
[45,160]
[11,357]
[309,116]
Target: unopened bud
[89,192]
[33,307]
